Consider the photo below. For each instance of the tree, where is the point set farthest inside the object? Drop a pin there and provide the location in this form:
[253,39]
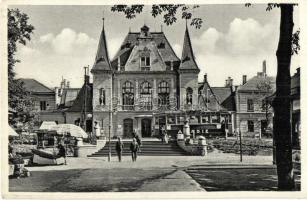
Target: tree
[19,31]
[265,89]
[168,11]
[288,45]
[281,103]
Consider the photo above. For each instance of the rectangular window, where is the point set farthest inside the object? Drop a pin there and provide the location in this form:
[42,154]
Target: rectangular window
[43,105]
[145,61]
[250,105]
[148,61]
[142,61]
[250,126]
[102,96]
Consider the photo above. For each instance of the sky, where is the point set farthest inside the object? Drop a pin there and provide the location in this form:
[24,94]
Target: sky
[233,41]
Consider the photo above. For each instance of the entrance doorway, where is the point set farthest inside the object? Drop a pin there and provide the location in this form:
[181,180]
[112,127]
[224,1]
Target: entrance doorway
[128,128]
[146,127]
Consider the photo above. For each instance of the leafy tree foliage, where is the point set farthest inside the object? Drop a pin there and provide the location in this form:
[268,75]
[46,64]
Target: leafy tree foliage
[168,11]
[19,31]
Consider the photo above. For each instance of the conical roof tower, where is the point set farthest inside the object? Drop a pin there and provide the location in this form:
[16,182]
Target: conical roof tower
[187,59]
[102,61]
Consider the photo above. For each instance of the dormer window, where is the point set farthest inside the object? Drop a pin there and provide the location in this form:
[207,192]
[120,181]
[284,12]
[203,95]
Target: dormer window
[145,61]
[161,45]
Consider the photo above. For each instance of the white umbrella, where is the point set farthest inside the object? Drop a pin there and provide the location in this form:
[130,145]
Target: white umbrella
[12,132]
[75,131]
[47,125]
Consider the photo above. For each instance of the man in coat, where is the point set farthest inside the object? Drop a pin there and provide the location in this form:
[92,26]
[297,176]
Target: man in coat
[119,148]
[62,152]
[134,147]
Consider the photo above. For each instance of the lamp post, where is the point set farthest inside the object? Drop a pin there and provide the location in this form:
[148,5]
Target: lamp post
[110,116]
[110,122]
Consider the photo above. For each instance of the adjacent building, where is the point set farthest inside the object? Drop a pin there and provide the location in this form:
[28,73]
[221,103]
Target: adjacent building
[43,97]
[296,109]
[253,114]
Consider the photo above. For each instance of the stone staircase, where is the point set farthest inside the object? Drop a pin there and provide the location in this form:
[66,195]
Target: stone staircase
[148,148]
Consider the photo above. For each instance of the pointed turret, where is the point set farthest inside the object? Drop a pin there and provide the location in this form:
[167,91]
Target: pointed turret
[102,61]
[188,59]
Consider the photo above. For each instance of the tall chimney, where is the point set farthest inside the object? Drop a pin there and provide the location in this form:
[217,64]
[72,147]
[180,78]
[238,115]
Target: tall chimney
[228,82]
[205,78]
[67,84]
[244,79]
[264,67]
[86,76]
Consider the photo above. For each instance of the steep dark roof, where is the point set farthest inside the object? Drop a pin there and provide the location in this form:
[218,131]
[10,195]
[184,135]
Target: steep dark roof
[187,59]
[219,98]
[33,86]
[68,97]
[225,96]
[78,104]
[252,84]
[222,93]
[166,51]
[102,61]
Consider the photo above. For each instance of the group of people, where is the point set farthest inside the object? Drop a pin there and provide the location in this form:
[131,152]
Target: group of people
[135,147]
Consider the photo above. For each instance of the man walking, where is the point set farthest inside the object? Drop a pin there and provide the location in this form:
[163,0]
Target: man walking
[119,148]
[139,141]
[62,152]
[134,147]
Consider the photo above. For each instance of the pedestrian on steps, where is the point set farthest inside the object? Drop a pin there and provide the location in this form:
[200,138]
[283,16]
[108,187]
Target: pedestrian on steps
[139,141]
[134,147]
[119,149]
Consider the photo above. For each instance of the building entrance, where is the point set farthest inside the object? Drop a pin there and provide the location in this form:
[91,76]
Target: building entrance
[128,128]
[146,127]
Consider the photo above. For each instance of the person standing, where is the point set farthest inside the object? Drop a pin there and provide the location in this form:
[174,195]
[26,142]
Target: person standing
[139,141]
[165,137]
[134,147]
[119,148]
[97,129]
[62,152]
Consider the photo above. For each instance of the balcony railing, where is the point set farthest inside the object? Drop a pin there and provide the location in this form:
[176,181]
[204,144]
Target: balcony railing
[127,107]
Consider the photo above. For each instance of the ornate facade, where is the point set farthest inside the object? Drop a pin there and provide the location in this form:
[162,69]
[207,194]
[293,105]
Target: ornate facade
[144,79]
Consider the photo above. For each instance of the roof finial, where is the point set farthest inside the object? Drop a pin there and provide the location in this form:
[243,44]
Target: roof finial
[103,19]
[186,22]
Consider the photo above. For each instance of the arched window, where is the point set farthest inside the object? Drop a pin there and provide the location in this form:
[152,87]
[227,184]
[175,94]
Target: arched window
[128,95]
[163,93]
[102,96]
[189,96]
[145,95]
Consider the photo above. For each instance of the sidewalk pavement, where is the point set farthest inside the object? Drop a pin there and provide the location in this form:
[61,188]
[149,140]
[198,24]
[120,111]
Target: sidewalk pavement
[143,162]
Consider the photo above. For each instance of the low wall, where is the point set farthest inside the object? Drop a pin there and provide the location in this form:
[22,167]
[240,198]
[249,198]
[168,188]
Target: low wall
[85,150]
[192,149]
[100,144]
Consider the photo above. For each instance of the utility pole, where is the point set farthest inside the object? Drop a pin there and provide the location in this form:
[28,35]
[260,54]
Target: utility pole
[110,116]
[240,146]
